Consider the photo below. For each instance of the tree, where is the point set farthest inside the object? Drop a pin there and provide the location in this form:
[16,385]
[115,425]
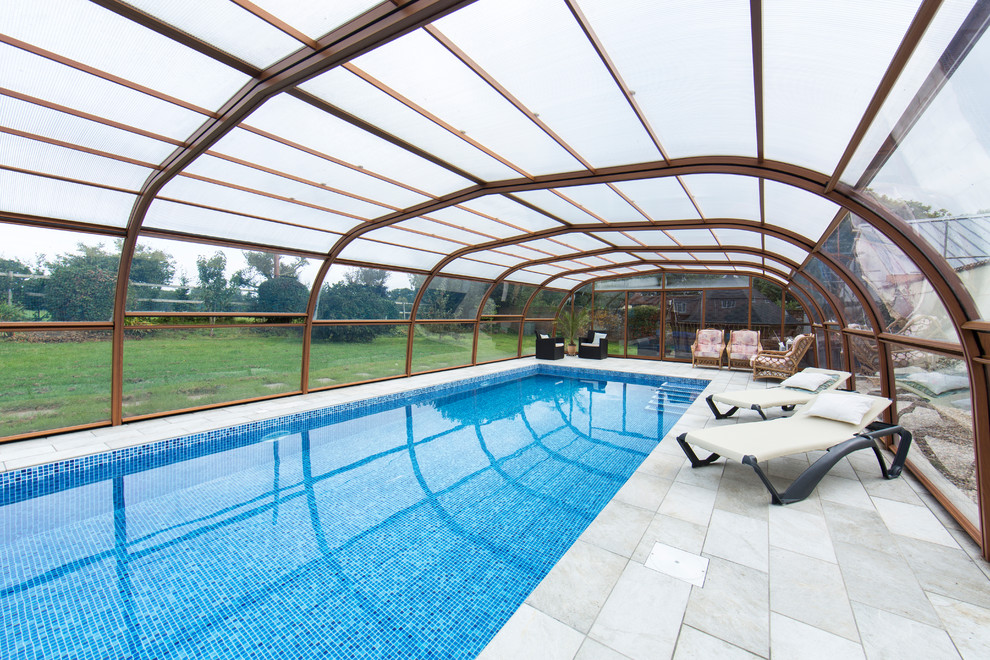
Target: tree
[14,289]
[81,286]
[213,287]
[150,270]
[281,294]
[360,295]
[269,265]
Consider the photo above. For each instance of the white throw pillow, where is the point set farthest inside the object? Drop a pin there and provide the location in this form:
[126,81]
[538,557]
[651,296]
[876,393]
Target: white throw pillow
[597,339]
[542,336]
[841,406]
[806,380]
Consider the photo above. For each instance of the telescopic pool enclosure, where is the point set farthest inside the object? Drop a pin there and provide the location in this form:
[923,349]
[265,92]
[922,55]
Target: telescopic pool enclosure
[205,202]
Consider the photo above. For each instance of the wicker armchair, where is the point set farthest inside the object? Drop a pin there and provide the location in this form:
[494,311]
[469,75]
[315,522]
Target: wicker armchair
[742,347]
[782,364]
[549,348]
[707,348]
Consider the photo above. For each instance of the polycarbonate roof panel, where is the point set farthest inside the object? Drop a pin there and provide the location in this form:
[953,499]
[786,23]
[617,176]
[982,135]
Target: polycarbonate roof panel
[422,70]
[798,210]
[784,249]
[725,195]
[661,199]
[511,212]
[134,53]
[315,19]
[472,268]
[739,237]
[225,25]
[38,120]
[698,54]
[558,75]
[348,91]
[42,157]
[50,81]
[376,253]
[198,221]
[651,237]
[621,239]
[581,241]
[604,202]
[442,230]
[303,123]
[461,217]
[245,203]
[692,237]
[822,62]
[415,240]
[554,203]
[924,59]
[41,196]
[255,179]
[743,257]
[527,277]
[253,148]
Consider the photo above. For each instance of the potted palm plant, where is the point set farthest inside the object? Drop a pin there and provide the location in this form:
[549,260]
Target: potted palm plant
[571,324]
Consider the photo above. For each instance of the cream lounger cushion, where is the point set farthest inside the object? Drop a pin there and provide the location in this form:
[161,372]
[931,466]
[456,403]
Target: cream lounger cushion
[784,436]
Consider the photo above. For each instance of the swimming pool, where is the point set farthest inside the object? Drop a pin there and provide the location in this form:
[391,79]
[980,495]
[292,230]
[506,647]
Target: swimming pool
[405,526]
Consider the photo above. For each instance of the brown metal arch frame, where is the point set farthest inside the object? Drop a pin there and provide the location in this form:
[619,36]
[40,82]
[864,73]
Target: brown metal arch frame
[360,35]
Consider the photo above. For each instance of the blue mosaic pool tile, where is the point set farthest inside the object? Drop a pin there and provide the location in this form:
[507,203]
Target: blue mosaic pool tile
[328,560]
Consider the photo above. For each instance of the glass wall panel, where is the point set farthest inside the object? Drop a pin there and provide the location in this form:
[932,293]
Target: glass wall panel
[643,324]
[174,369]
[609,316]
[795,318]
[498,340]
[51,275]
[341,354]
[530,328]
[509,299]
[441,345]
[727,309]
[766,316]
[682,319]
[852,310]
[822,302]
[821,348]
[545,304]
[952,135]
[836,352]
[906,300]
[449,298]
[637,282]
[934,401]
[865,356]
[54,379]
[351,293]
[809,308]
[178,276]
[703,281]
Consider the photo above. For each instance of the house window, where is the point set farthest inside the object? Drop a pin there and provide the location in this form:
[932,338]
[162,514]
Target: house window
[728,304]
[680,307]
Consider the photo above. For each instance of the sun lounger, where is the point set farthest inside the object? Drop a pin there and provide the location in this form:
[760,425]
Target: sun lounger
[782,396]
[804,431]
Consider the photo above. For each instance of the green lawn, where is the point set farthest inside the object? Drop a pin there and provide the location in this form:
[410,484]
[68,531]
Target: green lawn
[50,385]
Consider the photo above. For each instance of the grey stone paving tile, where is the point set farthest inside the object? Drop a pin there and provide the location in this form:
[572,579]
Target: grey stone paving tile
[968,626]
[662,464]
[28,448]
[644,490]
[800,531]
[703,477]
[914,521]
[947,571]
[532,635]
[577,586]
[864,527]
[592,650]
[618,528]
[788,467]
[674,532]
[887,636]
[811,591]
[739,539]
[884,581]
[737,589]
[642,616]
[890,489]
[794,640]
[696,645]
[844,491]
[687,502]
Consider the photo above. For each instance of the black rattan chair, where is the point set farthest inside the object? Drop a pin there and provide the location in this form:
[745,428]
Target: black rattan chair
[551,348]
[587,348]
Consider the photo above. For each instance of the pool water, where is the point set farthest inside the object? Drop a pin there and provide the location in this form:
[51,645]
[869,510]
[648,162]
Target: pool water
[413,531]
